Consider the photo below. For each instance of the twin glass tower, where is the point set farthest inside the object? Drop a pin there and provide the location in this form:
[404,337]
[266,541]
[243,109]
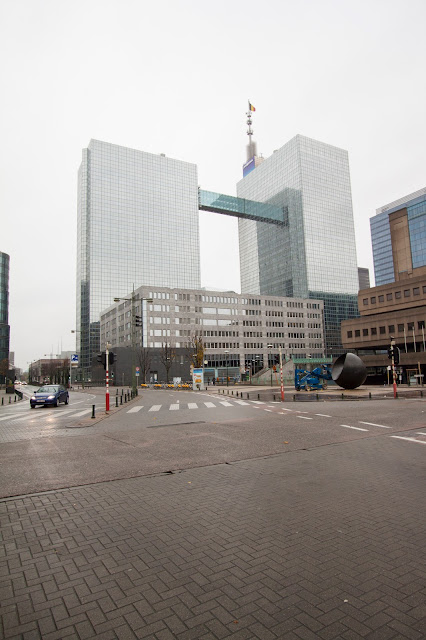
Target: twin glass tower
[138,224]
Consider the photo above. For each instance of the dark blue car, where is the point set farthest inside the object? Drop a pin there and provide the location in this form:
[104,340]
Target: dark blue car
[49,395]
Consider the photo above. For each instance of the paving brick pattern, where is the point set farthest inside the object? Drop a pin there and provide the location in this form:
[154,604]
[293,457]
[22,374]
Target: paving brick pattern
[311,545]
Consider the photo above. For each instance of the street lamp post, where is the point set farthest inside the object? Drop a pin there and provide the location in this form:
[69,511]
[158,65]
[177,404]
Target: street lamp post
[227,380]
[79,359]
[133,337]
[270,360]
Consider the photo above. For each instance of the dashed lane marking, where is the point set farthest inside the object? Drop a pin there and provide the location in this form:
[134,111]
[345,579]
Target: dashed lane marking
[420,433]
[304,418]
[323,415]
[409,439]
[257,402]
[348,426]
[373,424]
[135,409]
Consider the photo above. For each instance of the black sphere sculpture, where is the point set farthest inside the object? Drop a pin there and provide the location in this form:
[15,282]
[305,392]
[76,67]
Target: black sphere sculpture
[349,371]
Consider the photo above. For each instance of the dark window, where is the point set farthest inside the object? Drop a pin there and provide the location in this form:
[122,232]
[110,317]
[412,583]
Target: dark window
[373,331]
[365,301]
[382,330]
[424,289]
[407,293]
[388,296]
[391,328]
[397,295]
[365,332]
[349,334]
[410,326]
[373,300]
[357,333]
[401,328]
[381,298]
[421,324]
[416,291]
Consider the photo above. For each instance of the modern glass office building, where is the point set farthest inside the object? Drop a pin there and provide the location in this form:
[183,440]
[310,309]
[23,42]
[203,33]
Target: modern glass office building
[312,255]
[398,236]
[137,225]
[4,306]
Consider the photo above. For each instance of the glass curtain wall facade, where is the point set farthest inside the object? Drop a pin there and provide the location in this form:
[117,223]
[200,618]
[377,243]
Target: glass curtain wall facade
[415,206]
[313,255]
[137,225]
[4,307]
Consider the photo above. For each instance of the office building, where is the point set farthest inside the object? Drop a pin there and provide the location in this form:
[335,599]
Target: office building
[363,278]
[312,255]
[4,309]
[398,236]
[236,329]
[137,224]
[396,307]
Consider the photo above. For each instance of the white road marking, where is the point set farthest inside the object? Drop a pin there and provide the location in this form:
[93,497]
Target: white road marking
[304,418]
[80,413]
[155,407]
[284,409]
[242,402]
[373,424]
[7,418]
[173,407]
[210,405]
[227,404]
[323,415]
[410,439]
[257,402]
[135,409]
[420,433]
[347,426]
[192,405]
[268,410]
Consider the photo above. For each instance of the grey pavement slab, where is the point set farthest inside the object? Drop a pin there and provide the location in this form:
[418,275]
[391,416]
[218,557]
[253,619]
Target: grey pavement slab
[326,543]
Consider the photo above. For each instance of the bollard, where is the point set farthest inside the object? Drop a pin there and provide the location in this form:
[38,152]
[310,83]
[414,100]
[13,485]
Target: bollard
[317,396]
[15,399]
[342,396]
[116,392]
[122,391]
[121,399]
[116,401]
[232,392]
[2,401]
[369,395]
[93,410]
[10,400]
[125,397]
[258,396]
[396,395]
[421,393]
[294,397]
[248,396]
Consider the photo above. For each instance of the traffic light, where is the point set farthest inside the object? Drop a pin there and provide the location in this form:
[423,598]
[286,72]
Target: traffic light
[396,355]
[138,321]
[101,357]
[390,352]
[111,358]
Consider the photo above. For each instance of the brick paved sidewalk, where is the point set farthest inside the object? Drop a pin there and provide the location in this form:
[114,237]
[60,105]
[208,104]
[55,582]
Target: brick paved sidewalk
[307,545]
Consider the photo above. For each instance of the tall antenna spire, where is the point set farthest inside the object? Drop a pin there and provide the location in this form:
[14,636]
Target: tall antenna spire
[251,147]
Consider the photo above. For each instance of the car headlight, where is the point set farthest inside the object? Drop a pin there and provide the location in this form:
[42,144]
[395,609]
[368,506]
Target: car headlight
[50,397]
[33,398]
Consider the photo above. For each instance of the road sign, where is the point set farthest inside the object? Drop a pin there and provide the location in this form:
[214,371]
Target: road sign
[137,368]
[74,357]
[137,373]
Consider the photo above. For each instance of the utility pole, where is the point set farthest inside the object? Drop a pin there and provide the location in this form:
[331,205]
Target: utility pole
[281,373]
[107,376]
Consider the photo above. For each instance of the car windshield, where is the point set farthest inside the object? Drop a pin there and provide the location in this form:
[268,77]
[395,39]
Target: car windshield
[48,389]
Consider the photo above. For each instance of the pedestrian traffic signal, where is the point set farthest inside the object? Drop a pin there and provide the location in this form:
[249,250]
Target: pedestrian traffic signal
[138,321]
[390,353]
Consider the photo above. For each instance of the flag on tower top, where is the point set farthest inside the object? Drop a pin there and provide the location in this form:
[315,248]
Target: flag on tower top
[251,108]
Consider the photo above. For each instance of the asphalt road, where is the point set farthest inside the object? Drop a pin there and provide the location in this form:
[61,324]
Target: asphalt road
[193,516]
[163,431]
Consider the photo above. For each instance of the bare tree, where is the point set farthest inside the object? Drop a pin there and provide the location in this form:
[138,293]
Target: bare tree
[144,357]
[167,357]
[197,349]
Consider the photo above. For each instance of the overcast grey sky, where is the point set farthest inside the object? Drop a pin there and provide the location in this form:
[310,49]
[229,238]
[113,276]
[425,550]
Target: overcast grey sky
[174,77]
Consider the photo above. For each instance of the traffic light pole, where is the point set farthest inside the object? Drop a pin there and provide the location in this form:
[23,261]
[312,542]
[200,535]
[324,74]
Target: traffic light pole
[281,374]
[392,349]
[107,376]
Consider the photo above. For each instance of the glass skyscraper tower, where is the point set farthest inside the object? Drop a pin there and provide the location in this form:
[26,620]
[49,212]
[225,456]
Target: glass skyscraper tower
[398,237]
[313,255]
[137,225]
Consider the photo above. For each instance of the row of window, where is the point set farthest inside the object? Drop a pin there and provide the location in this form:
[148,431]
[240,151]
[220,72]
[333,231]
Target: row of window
[372,331]
[390,296]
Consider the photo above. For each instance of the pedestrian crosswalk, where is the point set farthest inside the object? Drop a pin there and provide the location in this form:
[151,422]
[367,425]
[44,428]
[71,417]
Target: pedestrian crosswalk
[180,406]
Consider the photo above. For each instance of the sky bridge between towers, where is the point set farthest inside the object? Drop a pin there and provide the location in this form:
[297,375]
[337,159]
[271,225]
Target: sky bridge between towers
[241,208]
